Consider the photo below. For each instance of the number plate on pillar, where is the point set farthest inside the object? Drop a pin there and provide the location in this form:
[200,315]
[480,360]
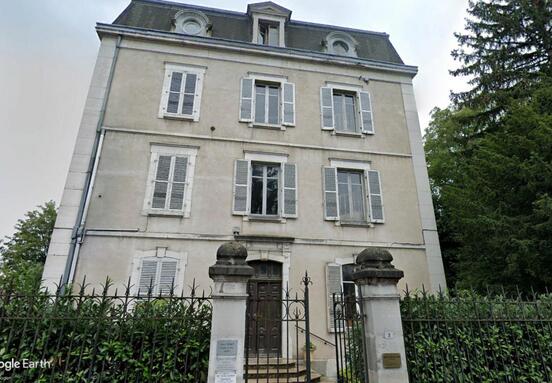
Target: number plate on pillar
[391,360]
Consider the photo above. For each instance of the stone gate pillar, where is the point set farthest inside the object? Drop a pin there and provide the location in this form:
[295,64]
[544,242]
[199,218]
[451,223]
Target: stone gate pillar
[377,280]
[230,274]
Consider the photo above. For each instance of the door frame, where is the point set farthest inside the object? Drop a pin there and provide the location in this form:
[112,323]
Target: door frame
[273,280]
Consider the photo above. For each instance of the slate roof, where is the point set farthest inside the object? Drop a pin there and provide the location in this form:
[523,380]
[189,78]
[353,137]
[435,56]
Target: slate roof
[157,15]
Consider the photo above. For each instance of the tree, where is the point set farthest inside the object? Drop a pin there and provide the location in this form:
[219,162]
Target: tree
[489,153]
[493,195]
[23,255]
[506,50]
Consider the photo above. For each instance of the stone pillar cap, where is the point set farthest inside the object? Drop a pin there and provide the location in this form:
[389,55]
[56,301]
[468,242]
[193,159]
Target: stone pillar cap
[375,263]
[231,258]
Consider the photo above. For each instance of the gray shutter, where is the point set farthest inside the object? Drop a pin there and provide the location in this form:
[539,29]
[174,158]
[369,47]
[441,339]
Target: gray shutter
[333,285]
[376,196]
[148,275]
[331,210]
[288,104]
[241,182]
[167,276]
[366,113]
[189,94]
[326,105]
[161,182]
[179,183]
[173,92]
[246,100]
[290,190]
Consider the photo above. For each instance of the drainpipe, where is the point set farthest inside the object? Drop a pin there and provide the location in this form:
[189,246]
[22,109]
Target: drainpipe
[77,236]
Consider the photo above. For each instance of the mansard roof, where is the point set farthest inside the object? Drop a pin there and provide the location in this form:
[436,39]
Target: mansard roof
[158,15]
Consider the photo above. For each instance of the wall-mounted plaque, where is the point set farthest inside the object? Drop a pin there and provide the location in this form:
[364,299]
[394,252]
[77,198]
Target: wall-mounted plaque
[226,363]
[391,360]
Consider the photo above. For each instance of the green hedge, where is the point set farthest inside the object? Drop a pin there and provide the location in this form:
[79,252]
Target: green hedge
[105,338]
[470,338]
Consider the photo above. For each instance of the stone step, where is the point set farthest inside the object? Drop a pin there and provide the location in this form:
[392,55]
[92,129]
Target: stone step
[315,378]
[271,362]
[274,372]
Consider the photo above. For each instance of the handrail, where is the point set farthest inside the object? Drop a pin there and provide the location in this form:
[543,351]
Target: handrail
[325,341]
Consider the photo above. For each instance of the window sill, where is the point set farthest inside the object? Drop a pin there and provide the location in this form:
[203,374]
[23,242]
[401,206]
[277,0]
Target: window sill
[164,213]
[258,218]
[347,134]
[183,117]
[267,126]
[354,224]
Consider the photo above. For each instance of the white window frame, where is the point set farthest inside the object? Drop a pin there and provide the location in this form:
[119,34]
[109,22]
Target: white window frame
[281,21]
[347,39]
[280,80]
[158,254]
[184,69]
[363,167]
[269,158]
[173,151]
[340,87]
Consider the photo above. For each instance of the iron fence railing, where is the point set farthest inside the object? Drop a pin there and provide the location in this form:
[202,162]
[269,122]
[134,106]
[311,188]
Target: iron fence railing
[99,336]
[466,337]
[275,349]
[350,340]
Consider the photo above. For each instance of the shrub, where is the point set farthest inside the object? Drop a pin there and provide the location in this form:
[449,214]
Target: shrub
[107,338]
[472,338]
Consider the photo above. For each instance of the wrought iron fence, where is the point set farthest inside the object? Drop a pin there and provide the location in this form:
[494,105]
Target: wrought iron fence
[275,349]
[350,342]
[465,337]
[104,337]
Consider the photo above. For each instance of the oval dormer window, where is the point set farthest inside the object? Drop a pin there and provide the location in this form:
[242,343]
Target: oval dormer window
[341,43]
[191,27]
[193,23]
[340,47]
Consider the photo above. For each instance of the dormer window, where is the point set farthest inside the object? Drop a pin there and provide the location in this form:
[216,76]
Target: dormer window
[340,47]
[269,34]
[340,43]
[192,23]
[268,20]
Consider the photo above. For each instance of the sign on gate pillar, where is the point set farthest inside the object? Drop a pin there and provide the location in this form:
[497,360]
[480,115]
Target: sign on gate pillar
[377,280]
[230,274]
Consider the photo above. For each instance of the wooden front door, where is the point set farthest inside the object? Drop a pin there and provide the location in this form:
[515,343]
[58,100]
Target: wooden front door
[265,309]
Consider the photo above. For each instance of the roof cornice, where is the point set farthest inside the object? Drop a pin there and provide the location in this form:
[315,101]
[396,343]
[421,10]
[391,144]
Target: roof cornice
[290,53]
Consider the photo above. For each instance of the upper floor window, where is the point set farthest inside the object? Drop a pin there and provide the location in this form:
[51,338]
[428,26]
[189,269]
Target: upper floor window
[182,87]
[169,189]
[191,23]
[267,101]
[341,43]
[352,193]
[346,110]
[269,33]
[265,179]
[265,185]
[350,189]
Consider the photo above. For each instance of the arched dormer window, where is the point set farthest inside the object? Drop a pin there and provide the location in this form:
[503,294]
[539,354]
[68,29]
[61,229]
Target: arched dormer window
[340,43]
[193,23]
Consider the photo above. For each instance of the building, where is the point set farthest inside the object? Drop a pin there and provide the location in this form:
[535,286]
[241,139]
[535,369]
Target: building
[203,125]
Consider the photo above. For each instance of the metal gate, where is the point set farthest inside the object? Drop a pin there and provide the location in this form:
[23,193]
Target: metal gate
[350,341]
[275,350]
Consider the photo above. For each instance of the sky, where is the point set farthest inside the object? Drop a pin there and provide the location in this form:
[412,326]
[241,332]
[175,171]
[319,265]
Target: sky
[47,54]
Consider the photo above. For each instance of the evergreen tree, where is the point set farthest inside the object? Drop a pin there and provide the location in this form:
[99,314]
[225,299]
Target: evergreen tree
[505,51]
[490,153]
